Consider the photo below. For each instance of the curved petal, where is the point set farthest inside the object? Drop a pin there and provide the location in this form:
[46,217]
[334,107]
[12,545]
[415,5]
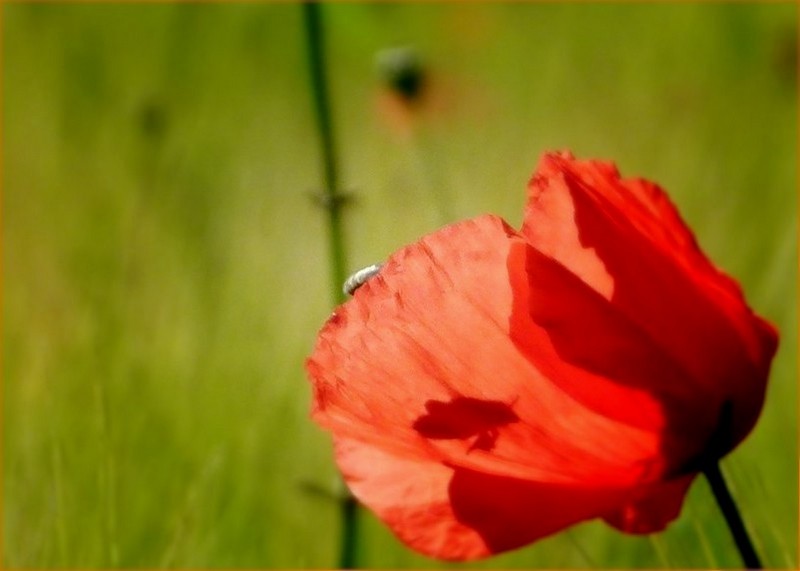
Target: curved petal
[409,494]
[626,240]
[421,363]
[605,361]
[459,514]
[651,508]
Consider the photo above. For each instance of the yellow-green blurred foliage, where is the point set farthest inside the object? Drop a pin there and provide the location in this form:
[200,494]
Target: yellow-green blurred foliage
[164,265]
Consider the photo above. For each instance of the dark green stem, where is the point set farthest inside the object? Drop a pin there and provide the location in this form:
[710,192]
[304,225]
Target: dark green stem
[332,200]
[734,520]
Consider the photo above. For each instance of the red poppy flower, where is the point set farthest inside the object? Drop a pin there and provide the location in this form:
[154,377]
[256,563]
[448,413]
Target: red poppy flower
[490,387]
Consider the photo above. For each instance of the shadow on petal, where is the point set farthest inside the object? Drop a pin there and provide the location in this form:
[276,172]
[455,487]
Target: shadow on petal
[508,513]
[606,362]
[463,418]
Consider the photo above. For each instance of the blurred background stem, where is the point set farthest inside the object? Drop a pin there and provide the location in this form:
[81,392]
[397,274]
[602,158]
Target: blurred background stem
[332,200]
[330,197]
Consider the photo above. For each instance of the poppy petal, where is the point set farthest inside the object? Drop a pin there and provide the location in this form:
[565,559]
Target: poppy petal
[411,495]
[421,362]
[459,514]
[620,372]
[626,240]
[652,507]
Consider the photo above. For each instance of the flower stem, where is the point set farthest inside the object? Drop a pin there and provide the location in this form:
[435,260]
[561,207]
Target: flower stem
[332,200]
[732,517]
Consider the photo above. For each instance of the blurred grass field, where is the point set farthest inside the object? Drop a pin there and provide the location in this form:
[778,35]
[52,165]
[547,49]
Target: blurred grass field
[165,270]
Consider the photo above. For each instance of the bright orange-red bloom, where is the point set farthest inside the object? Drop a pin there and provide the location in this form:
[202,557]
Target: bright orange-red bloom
[490,387]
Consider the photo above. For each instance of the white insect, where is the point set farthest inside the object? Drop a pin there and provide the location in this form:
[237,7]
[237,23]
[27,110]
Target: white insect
[359,278]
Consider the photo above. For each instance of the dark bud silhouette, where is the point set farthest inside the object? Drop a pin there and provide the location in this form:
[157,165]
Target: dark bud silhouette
[402,70]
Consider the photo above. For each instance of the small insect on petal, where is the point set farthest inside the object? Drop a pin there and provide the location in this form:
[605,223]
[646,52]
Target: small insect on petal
[359,278]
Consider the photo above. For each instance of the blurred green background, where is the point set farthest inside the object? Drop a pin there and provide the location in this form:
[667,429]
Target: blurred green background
[165,265]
